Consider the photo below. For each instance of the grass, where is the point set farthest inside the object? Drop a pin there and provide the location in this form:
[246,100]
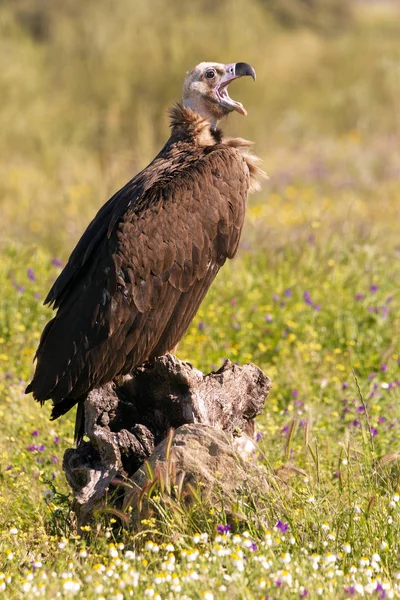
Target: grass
[312,298]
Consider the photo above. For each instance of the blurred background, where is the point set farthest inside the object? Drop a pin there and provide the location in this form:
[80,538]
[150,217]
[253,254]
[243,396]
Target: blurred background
[85,88]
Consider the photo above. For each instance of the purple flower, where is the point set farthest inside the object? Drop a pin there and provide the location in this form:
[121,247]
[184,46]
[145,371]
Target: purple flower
[288,293]
[37,296]
[350,590]
[201,326]
[345,385]
[282,304]
[373,431]
[35,433]
[384,367]
[373,288]
[223,528]
[41,448]
[307,298]
[54,459]
[304,593]
[381,419]
[317,307]
[268,318]
[56,440]
[360,409]
[295,393]
[384,311]
[282,526]
[233,302]
[275,297]
[259,436]
[32,447]
[56,262]
[285,429]
[253,547]
[355,423]
[31,274]
[359,297]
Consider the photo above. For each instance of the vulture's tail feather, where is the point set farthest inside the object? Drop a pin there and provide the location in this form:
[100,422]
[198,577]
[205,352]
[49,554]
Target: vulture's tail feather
[79,422]
[64,406]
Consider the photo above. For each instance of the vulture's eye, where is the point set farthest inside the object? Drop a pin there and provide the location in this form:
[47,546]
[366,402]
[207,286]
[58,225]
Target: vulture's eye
[210,74]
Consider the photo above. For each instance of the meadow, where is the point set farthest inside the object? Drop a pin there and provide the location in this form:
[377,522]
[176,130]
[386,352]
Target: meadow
[312,297]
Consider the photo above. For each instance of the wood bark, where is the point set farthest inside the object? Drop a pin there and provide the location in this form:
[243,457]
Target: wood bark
[126,422]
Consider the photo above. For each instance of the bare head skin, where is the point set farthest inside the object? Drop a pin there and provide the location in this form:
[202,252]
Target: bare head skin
[205,89]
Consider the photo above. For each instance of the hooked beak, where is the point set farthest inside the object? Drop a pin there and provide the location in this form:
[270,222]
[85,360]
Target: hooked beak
[233,71]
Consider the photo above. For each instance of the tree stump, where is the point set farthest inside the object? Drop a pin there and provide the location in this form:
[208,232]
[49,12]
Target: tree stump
[127,423]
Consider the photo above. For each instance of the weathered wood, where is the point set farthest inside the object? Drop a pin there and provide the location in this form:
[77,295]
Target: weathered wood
[126,421]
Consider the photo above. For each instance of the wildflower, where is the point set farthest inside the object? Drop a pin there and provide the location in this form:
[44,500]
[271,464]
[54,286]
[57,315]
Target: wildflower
[325,527]
[285,558]
[346,548]
[373,288]
[71,586]
[282,526]
[303,592]
[284,577]
[14,531]
[351,590]
[262,583]
[56,262]
[364,561]
[208,596]
[221,528]
[315,559]
[307,298]
[31,274]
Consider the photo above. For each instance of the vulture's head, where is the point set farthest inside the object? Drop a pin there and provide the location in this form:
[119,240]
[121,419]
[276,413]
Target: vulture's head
[206,89]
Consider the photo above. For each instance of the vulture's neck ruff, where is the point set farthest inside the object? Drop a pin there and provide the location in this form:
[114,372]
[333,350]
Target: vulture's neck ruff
[187,125]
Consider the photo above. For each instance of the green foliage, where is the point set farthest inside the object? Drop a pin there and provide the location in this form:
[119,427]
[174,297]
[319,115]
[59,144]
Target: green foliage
[312,298]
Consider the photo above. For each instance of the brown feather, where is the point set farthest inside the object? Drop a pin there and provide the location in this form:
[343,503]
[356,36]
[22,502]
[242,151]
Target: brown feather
[140,271]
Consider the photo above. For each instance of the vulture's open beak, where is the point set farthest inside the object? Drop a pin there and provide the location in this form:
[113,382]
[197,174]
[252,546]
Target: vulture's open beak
[233,71]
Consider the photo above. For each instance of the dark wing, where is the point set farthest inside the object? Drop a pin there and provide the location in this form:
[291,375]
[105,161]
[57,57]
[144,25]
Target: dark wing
[129,292]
